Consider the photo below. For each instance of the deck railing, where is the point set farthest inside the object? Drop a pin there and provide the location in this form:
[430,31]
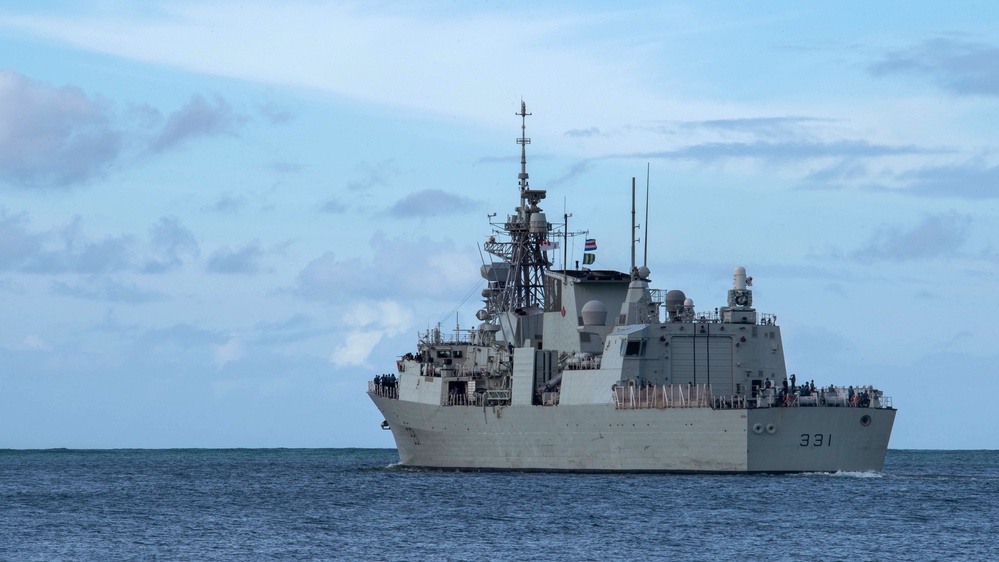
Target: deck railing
[486,398]
[383,390]
[672,396]
[700,396]
[678,396]
[834,396]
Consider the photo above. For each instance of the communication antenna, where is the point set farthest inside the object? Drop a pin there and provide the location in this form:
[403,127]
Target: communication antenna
[634,272]
[523,141]
[645,259]
[565,244]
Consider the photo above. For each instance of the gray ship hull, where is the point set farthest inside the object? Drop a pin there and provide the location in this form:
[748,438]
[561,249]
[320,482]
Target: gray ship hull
[594,370]
[599,437]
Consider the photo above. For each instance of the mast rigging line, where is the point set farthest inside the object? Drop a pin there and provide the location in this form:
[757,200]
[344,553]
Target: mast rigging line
[468,295]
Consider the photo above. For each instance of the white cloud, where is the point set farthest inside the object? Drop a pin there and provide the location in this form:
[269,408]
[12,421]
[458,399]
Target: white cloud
[356,348]
[961,67]
[241,260]
[52,137]
[106,289]
[199,118]
[372,322]
[576,70]
[228,352]
[939,235]
[429,64]
[431,203]
[70,249]
[59,137]
[35,342]
[391,268]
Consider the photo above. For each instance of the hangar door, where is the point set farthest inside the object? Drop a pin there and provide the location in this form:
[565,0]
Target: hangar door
[703,360]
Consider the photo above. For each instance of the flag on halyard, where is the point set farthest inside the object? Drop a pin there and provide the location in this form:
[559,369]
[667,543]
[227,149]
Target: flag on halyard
[588,258]
[548,245]
[591,245]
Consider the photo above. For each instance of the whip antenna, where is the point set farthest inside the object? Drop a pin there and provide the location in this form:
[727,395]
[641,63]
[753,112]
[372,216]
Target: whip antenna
[645,258]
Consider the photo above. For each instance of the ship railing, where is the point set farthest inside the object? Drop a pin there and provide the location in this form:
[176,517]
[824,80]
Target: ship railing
[632,397]
[462,399]
[383,390]
[768,319]
[851,397]
[490,398]
[439,337]
[707,317]
[733,402]
[829,396]
[495,397]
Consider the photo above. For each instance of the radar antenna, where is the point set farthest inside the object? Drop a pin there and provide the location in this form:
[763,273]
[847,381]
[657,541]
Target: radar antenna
[526,289]
[523,141]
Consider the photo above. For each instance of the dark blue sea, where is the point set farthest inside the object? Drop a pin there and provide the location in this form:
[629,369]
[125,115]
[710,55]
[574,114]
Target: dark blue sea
[354,504]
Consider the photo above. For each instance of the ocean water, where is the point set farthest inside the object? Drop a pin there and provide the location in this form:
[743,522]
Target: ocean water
[354,504]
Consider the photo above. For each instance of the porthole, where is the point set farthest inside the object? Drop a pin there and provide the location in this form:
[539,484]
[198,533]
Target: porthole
[758,428]
[865,420]
[771,428]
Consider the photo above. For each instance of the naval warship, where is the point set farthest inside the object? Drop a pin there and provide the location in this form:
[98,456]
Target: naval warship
[593,370]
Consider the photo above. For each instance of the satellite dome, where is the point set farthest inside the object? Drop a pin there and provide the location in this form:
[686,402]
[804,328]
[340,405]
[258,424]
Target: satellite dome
[675,298]
[594,313]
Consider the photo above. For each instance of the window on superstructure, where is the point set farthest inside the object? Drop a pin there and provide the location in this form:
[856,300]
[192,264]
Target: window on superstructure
[634,348]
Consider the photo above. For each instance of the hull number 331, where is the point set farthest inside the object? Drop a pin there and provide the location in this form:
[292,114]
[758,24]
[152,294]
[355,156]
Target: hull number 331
[816,440]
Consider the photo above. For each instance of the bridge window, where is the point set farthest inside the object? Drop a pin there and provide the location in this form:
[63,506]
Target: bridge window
[634,348]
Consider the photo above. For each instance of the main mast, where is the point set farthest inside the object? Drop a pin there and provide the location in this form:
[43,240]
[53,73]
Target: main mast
[525,288]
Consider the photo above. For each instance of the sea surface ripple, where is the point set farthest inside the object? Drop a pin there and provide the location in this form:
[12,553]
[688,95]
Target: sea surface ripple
[355,504]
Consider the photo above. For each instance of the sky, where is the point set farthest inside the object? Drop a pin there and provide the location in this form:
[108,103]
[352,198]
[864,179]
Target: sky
[219,220]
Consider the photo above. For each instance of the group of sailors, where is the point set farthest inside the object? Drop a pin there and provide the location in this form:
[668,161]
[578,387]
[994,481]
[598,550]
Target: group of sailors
[787,393]
[861,399]
[385,384]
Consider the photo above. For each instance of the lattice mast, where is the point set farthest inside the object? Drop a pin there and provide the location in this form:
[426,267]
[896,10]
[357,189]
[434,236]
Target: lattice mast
[525,287]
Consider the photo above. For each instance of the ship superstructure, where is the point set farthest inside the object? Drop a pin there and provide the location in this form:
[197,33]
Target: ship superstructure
[593,370]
